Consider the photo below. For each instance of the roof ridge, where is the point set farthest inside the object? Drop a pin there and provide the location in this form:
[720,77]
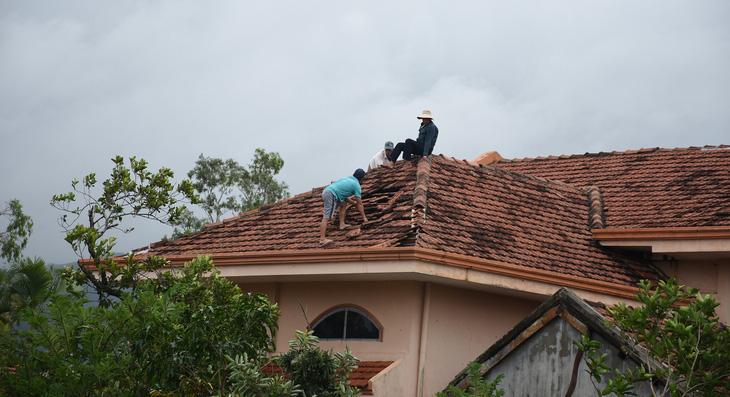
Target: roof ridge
[619,153]
[420,192]
[496,168]
[596,218]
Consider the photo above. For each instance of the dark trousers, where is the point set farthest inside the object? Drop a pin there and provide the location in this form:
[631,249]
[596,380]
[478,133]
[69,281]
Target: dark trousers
[408,147]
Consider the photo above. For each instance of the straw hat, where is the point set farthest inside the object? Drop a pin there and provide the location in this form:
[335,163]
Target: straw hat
[426,114]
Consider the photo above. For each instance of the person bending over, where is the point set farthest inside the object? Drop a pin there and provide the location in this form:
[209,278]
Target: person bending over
[337,195]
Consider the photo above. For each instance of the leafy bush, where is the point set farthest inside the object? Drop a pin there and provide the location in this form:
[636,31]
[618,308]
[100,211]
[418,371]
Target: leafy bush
[318,372]
[478,386]
[688,349]
[169,335]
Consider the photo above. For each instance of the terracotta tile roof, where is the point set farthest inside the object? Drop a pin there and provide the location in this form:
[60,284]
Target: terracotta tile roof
[494,214]
[359,378]
[442,204]
[647,188]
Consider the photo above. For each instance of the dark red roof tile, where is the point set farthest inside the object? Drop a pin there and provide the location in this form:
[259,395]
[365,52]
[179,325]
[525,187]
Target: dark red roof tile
[647,188]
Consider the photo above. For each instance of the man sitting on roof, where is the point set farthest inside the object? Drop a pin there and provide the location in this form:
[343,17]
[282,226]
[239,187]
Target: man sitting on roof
[382,157]
[335,195]
[422,146]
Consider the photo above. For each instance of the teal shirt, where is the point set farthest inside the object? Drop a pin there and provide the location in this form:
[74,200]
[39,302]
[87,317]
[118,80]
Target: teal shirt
[344,188]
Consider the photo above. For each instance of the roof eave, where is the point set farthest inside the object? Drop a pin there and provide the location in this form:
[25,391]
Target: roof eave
[404,263]
[709,242]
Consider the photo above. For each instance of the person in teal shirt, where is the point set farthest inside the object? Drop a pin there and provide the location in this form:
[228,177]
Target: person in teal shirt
[338,195]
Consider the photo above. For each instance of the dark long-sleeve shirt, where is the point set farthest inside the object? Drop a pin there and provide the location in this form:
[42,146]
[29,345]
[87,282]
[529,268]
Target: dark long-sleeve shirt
[427,136]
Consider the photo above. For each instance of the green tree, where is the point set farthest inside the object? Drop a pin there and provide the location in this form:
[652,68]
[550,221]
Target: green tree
[15,237]
[259,186]
[213,319]
[215,180]
[188,223]
[130,192]
[164,338]
[226,186]
[27,283]
[686,347]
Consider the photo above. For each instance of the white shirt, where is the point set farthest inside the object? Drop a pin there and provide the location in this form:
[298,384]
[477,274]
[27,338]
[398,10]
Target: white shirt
[379,159]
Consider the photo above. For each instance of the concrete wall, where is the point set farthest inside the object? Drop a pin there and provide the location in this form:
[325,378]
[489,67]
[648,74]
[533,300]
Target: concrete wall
[542,366]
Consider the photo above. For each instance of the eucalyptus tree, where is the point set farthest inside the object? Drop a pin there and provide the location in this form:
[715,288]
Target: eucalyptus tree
[227,187]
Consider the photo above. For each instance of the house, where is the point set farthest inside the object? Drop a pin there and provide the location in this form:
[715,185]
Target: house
[457,252]
[538,357]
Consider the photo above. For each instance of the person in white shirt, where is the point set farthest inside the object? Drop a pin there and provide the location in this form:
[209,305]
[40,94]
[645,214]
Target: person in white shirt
[382,157]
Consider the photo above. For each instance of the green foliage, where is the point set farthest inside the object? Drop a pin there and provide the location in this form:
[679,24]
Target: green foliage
[218,182]
[27,283]
[478,386]
[214,319]
[130,192]
[15,237]
[687,347]
[619,383]
[188,223]
[259,186]
[215,180]
[170,337]
[318,372]
[246,380]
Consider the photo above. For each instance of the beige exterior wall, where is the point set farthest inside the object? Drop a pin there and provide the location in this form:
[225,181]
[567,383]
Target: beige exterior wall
[710,276]
[461,324]
[395,305]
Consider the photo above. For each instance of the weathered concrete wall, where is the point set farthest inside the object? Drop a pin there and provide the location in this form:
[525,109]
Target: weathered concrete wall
[543,364]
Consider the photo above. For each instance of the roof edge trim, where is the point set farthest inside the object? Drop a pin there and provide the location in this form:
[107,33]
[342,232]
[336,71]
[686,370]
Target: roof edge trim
[664,233]
[416,253]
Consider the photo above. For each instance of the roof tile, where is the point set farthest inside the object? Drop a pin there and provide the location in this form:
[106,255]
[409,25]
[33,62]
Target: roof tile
[449,205]
[647,188]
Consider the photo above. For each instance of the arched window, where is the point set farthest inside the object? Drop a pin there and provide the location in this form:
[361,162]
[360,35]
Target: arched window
[346,323]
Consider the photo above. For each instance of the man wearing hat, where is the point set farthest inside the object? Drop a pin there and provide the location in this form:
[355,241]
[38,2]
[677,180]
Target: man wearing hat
[337,195]
[423,146]
[382,157]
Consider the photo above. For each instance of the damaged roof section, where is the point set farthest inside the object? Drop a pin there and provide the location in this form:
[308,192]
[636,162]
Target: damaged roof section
[442,204]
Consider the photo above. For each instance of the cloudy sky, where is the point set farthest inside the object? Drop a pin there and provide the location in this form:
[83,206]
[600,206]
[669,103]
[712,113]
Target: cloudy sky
[325,83]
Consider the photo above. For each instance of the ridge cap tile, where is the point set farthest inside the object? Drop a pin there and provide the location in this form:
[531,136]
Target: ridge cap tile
[615,152]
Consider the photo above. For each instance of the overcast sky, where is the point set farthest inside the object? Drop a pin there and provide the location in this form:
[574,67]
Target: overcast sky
[326,83]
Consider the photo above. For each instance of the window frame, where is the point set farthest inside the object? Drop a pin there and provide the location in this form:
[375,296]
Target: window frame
[349,307]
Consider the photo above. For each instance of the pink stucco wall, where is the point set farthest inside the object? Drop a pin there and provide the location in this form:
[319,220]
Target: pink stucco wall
[461,324]
[710,276]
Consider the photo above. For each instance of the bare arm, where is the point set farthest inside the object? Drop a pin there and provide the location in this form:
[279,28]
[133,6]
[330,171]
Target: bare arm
[361,208]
